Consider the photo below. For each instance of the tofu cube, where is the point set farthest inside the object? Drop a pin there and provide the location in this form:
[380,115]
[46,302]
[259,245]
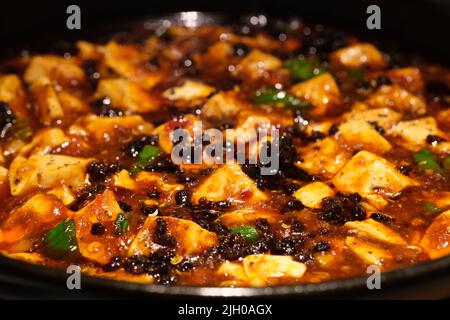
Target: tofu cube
[312,194]
[361,135]
[321,91]
[359,55]
[372,177]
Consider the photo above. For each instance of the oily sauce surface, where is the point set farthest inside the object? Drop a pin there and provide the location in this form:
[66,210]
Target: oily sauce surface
[86,175]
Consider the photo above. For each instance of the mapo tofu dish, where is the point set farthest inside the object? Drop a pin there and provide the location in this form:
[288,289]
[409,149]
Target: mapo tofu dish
[88,177]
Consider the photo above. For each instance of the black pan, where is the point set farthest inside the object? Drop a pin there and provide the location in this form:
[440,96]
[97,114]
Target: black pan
[430,280]
[420,30]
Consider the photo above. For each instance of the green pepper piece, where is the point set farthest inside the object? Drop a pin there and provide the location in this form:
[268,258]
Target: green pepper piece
[61,242]
[426,161]
[274,96]
[431,207]
[247,232]
[304,69]
[120,225]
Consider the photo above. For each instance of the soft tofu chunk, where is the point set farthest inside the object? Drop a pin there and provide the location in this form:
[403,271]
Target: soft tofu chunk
[41,212]
[368,252]
[128,62]
[230,183]
[48,106]
[312,194]
[10,88]
[127,95]
[324,157]
[223,106]
[103,209]
[407,78]
[108,129]
[359,55]
[88,50]
[261,270]
[122,57]
[361,135]
[190,237]
[64,71]
[372,177]
[51,103]
[118,275]
[71,104]
[396,98]
[64,194]
[190,92]
[248,216]
[165,131]
[436,241]
[321,91]
[248,123]
[375,230]
[253,119]
[123,180]
[216,59]
[145,181]
[12,92]
[413,133]
[234,273]
[314,126]
[43,171]
[259,267]
[44,141]
[384,117]
[257,64]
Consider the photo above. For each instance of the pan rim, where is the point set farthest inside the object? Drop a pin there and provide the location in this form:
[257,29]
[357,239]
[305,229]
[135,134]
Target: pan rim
[54,276]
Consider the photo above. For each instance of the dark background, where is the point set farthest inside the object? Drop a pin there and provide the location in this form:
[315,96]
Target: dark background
[421,26]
